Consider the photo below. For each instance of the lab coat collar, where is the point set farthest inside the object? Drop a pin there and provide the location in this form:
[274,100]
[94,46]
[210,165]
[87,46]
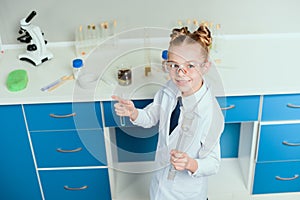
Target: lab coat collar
[171,89]
[173,92]
[193,103]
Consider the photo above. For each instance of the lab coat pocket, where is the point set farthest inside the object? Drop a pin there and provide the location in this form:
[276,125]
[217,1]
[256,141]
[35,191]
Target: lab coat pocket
[183,182]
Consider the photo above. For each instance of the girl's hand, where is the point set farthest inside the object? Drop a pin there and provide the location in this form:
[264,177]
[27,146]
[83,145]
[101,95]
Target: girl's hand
[125,108]
[181,161]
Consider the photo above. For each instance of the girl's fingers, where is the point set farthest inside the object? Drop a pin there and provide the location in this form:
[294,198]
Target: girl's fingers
[121,100]
[115,97]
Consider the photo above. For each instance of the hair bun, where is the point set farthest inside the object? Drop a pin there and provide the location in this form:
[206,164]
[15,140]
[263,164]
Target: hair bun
[176,32]
[204,35]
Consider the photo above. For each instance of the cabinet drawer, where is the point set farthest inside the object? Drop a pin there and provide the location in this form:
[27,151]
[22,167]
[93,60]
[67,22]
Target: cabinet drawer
[62,116]
[113,120]
[91,184]
[281,107]
[69,148]
[277,177]
[240,109]
[279,142]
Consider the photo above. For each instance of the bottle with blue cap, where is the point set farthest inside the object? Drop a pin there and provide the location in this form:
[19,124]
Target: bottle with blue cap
[164,56]
[77,66]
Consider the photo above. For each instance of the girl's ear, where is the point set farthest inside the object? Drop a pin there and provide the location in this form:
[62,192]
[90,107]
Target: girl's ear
[206,67]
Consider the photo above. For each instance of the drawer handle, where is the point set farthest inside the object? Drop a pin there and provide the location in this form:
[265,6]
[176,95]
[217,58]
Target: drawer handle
[292,105]
[69,151]
[71,188]
[287,179]
[62,116]
[228,107]
[290,144]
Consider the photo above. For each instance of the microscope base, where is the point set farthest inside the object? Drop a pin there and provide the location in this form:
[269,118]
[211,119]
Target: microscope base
[34,59]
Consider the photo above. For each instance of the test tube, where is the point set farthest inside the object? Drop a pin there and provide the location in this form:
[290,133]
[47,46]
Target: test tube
[122,121]
[195,24]
[179,23]
[172,173]
[181,143]
[1,47]
[187,122]
[122,118]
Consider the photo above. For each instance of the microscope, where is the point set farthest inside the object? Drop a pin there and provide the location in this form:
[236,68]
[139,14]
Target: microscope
[36,52]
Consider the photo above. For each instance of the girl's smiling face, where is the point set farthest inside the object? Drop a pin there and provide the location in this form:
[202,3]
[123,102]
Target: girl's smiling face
[187,64]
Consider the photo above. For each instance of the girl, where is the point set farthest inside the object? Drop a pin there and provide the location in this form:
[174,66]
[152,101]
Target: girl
[199,155]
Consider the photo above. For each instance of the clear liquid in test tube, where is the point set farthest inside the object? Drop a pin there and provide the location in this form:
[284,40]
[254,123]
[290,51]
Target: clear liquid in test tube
[122,121]
[122,118]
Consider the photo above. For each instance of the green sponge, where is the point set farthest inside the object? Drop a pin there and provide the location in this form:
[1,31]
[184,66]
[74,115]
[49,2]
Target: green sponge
[17,80]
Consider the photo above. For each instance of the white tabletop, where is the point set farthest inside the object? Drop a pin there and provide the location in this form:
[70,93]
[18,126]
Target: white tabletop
[249,65]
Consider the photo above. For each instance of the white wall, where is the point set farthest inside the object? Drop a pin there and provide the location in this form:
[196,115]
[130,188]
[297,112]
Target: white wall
[59,18]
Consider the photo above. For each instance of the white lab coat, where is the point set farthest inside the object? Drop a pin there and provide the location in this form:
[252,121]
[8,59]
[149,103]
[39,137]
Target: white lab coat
[204,146]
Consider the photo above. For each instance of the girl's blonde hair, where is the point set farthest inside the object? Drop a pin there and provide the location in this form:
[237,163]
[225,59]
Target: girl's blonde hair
[202,36]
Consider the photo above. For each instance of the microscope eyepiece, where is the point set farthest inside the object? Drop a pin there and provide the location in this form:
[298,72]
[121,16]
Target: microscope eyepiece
[30,16]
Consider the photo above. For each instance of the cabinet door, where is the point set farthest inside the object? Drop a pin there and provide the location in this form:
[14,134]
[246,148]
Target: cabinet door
[229,140]
[136,144]
[17,171]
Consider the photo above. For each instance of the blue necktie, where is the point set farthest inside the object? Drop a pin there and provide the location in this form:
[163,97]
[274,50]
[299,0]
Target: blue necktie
[175,116]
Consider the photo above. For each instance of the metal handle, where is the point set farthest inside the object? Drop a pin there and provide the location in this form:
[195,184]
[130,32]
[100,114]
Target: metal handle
[62,116]
[287,179]
[69,151]
[72,188]
[228,108]
[290,144]
[290,105]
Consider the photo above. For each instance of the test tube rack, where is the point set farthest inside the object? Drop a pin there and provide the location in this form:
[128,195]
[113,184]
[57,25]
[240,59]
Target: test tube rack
[90,36]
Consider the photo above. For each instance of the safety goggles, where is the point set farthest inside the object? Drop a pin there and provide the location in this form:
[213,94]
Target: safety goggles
[187,67]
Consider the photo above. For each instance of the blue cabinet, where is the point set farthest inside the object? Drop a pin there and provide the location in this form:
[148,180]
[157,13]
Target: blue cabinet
[278,158]
[65,137]
[17,171]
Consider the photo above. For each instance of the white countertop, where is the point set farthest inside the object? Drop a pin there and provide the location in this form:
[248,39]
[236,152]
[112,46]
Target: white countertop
[250,65]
